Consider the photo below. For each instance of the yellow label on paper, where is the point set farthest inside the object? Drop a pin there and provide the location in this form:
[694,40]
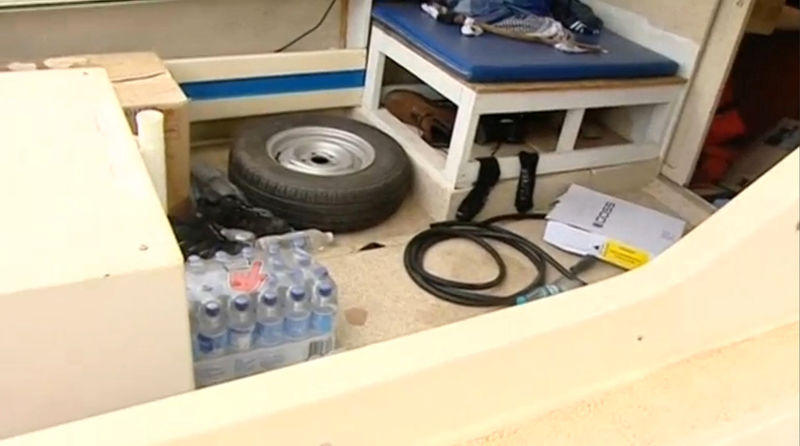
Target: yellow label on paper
[624,256]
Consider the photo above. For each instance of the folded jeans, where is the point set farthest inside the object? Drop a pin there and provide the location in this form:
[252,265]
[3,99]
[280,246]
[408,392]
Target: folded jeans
[490,11]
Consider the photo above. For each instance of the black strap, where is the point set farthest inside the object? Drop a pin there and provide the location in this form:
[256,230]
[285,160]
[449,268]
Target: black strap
[528,162]
[488,175]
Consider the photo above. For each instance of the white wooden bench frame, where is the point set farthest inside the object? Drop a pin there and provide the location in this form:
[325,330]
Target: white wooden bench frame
[473,100]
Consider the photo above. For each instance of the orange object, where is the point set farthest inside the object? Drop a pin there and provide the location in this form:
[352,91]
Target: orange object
[726,126]
[726,99]
[714,164]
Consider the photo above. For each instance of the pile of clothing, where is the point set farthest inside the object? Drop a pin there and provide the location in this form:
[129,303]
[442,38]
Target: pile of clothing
[567,25]
[222,216]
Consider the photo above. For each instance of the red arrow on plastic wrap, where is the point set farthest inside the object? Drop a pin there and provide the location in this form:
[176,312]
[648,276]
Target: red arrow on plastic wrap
[249,280]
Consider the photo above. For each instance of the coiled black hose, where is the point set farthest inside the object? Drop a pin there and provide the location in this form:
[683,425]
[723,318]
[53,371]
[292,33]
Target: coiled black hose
[465,293]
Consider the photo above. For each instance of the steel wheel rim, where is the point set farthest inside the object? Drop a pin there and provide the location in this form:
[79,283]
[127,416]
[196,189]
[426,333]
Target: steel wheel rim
[321,151]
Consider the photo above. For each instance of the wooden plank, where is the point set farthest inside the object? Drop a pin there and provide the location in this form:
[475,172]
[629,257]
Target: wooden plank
[623,180]
[425,156]
[271,104]
[531,101]
[703,95]
[418,64]
[142,82]
[586,84]
[373,81]
[463,137]
[464,380]
[691,207]
[567,161]
[94,311]
[260,65]
[570,129]
[672,406]
[358,23]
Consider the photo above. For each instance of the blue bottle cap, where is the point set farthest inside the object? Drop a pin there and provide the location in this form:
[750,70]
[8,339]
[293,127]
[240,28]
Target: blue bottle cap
[269,298]
[273,248]
[211,309]
[302,259]
[297,294]
[321,273]
[296,277]
[325,289]
[276,264]
[241,303]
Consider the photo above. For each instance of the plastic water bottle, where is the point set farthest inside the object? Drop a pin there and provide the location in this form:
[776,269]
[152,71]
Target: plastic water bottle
[305,263]
[239,235]
[237,262]
[195,273]
[310,240]
[323,311]
[211,329]
[277,267]
[298,315]
[325,293]
[302,259]
[223,258]
[299,243]
[241,324]
[216,278]
[269,319]
[321,274]
[273,248]
[202,275]
[322,319]
[250,254]
[293,279]
[279,273]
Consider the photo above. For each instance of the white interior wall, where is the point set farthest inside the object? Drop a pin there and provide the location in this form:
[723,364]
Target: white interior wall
[687,18]
[173,28]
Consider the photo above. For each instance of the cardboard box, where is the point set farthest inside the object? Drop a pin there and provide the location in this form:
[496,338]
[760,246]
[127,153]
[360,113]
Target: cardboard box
[586,222]
[141,81]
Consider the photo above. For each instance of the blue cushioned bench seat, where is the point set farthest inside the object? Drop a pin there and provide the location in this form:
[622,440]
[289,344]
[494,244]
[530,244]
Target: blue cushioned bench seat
[490,58]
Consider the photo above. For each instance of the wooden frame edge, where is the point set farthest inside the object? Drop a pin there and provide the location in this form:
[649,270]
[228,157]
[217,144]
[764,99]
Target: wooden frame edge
[460,380]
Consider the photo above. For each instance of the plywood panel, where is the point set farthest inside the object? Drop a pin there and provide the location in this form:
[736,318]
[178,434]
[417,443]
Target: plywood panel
[141,82]
[172,29]
[688,404]
[687,18]
[461,381]
[91,282]
[704,92]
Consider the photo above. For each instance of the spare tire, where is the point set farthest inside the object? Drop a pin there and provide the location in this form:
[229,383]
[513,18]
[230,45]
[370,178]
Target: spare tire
[319,171]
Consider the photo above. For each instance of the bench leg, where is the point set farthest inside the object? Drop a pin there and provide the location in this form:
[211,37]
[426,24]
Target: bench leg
[570,130]
[463,137]
[376,61]
[659,122]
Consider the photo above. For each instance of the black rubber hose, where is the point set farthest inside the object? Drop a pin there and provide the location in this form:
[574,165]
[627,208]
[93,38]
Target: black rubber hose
[468,293]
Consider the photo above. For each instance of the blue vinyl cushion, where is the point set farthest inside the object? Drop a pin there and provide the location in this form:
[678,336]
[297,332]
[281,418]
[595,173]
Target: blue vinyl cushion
[491,58]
